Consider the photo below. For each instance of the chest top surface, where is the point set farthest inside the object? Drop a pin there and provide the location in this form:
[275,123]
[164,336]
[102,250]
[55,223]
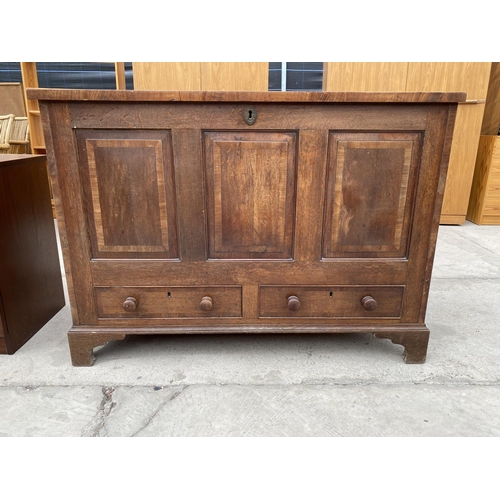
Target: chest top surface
[235,96]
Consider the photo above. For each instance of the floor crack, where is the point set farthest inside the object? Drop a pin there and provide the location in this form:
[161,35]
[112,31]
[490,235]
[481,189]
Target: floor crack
[152,417]
[478,244]
[96,427]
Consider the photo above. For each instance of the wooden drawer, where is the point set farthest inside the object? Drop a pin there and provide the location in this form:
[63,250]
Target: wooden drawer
[168,302]
[330,301]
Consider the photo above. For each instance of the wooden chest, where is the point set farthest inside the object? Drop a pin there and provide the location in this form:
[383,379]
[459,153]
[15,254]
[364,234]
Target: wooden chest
[247,212]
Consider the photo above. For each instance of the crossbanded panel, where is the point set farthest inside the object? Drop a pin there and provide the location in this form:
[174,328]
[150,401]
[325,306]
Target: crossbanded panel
[250,178]
[370,193]
[128,183]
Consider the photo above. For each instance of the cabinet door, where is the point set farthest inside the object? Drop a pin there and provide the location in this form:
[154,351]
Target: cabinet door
[370,193]
[129,193]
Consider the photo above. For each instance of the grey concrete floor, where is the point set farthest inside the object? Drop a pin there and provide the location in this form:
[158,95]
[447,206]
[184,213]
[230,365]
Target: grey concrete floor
[302,385]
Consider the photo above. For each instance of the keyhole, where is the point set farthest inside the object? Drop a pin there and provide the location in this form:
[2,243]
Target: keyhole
[331,294]
[168,294]
[249,115]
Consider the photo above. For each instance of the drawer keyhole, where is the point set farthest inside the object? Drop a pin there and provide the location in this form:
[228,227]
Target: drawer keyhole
[249,115]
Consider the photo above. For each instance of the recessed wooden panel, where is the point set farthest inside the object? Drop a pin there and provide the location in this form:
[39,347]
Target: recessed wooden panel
[330,301]
[129,192]
[250,194]
[169,302]
[370,194]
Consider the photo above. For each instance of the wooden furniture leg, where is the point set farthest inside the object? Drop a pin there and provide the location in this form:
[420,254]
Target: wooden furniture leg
[415,343]
[81,346]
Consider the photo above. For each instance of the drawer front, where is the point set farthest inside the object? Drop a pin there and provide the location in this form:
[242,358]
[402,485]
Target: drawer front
[330,302]
[168,302]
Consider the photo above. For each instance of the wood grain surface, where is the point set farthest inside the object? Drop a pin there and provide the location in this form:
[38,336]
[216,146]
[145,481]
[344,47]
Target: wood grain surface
[238,96]
[484,205]
[31,288]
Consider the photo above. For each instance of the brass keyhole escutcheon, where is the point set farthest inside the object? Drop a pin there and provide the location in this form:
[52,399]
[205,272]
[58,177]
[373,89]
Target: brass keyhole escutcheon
[250,115]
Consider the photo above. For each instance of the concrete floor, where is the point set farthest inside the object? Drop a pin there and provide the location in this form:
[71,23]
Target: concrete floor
[303,385]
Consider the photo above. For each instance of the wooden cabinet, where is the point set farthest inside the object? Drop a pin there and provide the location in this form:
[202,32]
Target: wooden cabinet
[472,78]
[201,75]
[247,212]
[491,118]
[484,205]
[365,77]
[31,288]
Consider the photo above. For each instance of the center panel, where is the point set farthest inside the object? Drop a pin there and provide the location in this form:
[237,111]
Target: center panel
[250,182]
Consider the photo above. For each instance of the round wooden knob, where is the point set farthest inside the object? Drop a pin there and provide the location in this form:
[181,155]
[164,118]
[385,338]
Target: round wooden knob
[130,304]
[206,303]
[293,303]
[369,303]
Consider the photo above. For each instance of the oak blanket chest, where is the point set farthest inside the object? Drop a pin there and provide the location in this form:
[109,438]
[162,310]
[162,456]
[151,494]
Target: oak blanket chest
[247,212]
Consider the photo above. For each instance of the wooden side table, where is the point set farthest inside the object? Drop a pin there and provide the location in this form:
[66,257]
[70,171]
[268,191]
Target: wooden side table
[31,288]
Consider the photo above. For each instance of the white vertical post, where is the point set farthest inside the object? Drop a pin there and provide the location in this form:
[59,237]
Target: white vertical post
[283,76]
